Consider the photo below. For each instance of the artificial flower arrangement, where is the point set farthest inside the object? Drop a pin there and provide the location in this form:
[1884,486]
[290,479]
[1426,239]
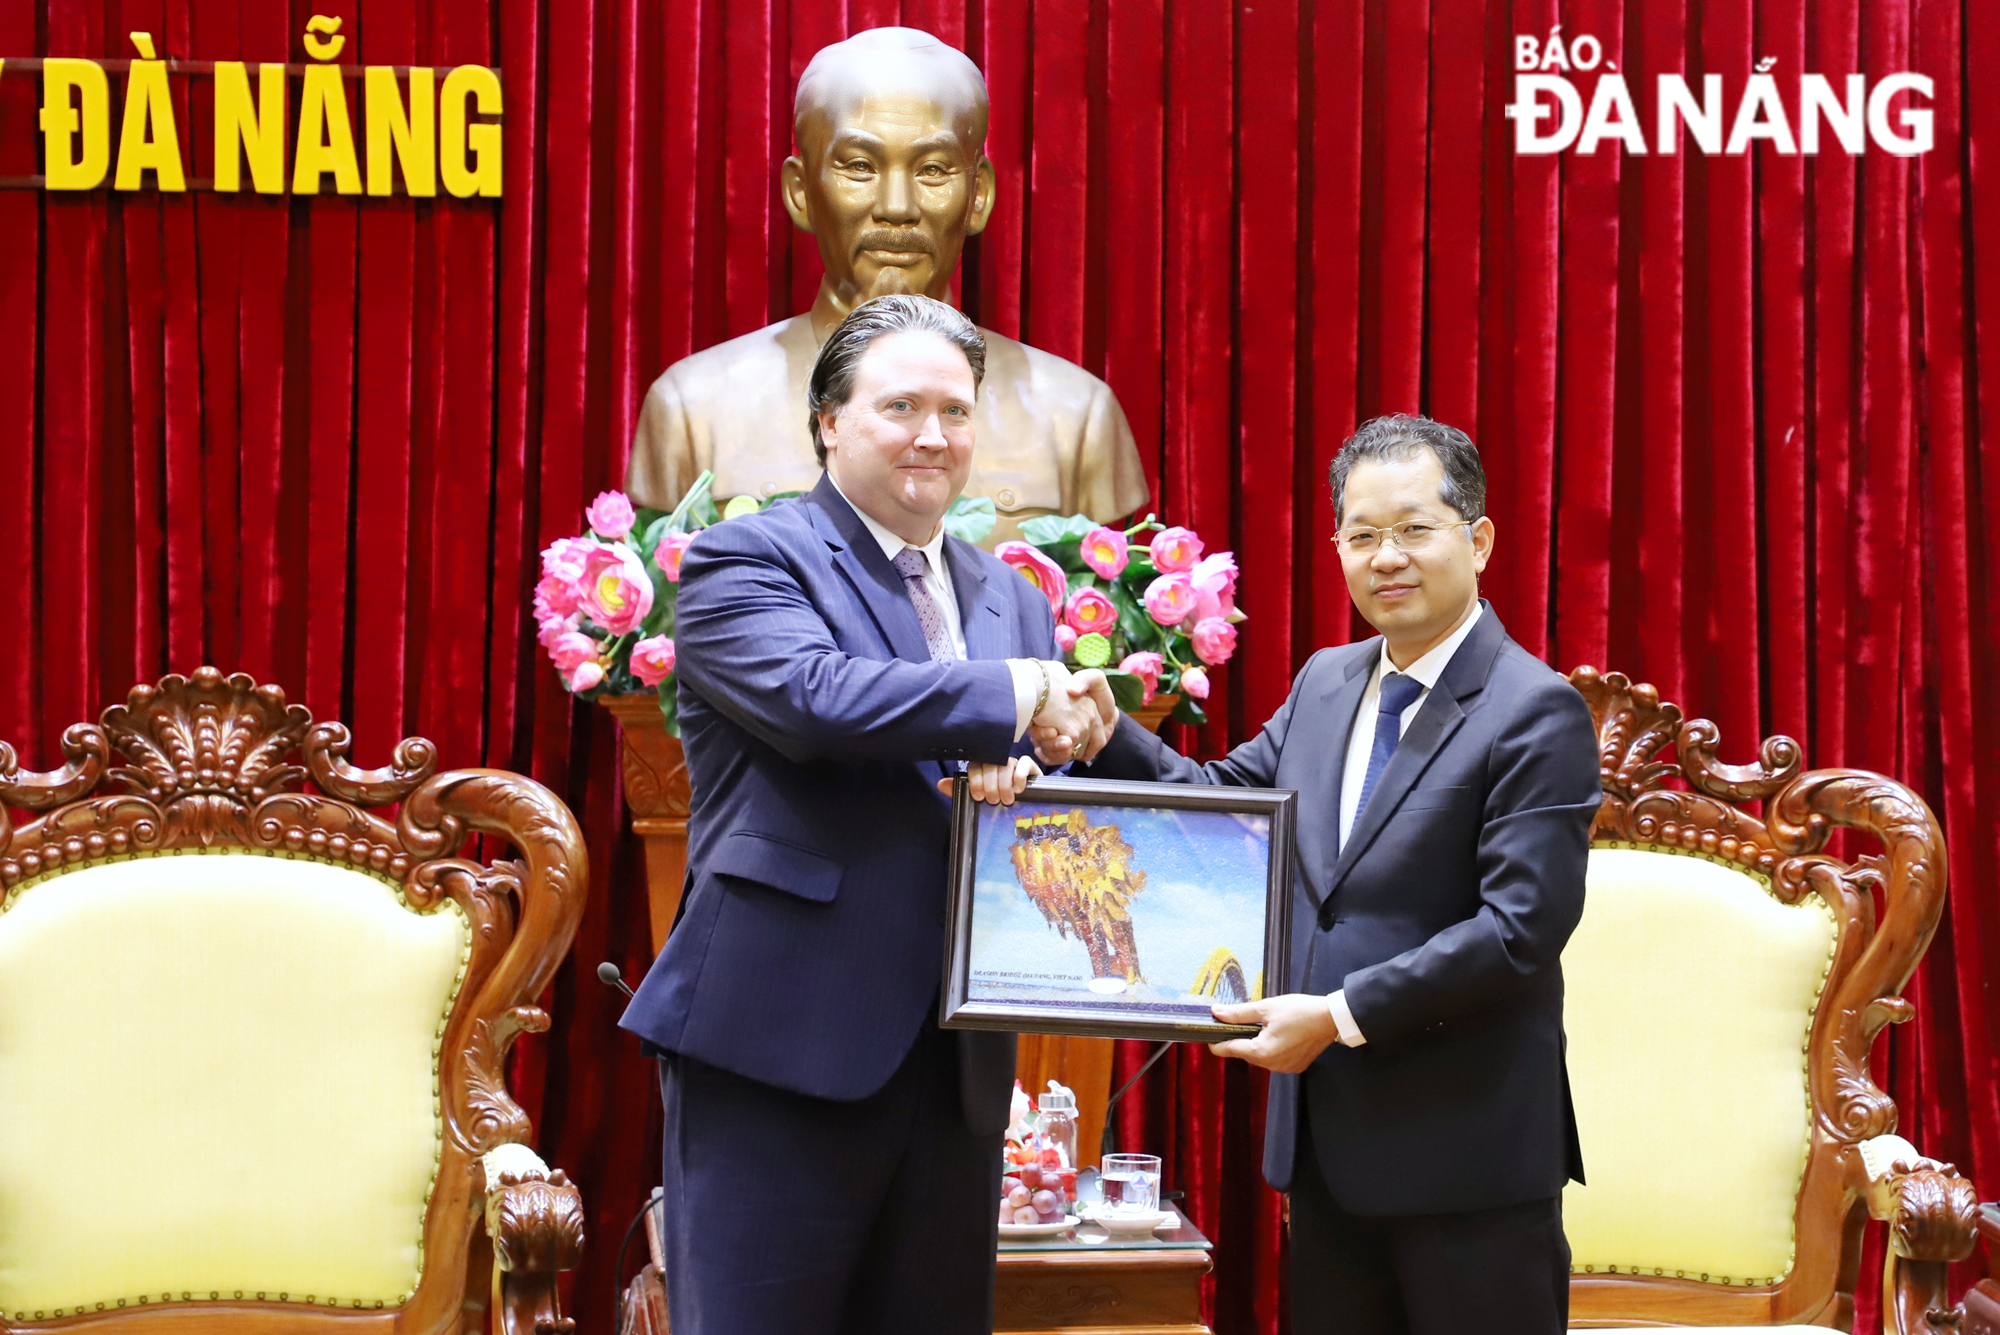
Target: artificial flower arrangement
[1156,618]
[604,607]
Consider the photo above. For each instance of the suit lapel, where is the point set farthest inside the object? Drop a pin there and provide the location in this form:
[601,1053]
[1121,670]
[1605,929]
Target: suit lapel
[859,558]
[1440,717]
[982,615]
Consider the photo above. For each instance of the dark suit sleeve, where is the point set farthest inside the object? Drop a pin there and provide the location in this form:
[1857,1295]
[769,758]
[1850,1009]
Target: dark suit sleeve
[1134,753]
[752,643]
[1533,843]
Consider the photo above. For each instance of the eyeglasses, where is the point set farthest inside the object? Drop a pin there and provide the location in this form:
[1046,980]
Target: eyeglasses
[1412,535]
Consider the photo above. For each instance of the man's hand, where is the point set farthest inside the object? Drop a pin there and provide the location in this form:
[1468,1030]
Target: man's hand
[1297,1028]
[1087,730]
[996,783]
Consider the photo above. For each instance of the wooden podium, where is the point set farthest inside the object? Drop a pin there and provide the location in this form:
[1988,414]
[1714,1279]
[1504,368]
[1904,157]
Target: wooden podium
[656,789]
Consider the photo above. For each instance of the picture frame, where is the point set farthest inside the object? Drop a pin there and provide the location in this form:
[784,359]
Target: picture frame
[1049,928]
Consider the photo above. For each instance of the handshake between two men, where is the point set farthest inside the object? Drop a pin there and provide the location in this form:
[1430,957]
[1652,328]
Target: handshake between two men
[1073,723]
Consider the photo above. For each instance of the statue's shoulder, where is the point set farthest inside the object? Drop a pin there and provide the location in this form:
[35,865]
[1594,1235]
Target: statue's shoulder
[1011,359]
[754,361]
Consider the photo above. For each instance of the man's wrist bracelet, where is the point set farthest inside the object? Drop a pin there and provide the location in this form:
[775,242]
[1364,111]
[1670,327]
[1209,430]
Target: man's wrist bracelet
[1041,701]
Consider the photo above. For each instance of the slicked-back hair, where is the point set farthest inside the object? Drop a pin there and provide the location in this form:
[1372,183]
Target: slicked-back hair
[1397,437]
[831,384]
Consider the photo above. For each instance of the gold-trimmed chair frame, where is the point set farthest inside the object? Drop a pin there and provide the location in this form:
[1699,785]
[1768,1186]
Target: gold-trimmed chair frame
[209,766]
[1856,1167]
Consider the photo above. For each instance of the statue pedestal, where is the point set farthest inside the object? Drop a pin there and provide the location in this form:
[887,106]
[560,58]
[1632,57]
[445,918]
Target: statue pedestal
[656,790]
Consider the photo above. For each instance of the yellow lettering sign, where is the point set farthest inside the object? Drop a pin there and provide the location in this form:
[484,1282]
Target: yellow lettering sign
[411,136]
[76,138]
[326,139]
[149,141]
[469,155]
[255,127]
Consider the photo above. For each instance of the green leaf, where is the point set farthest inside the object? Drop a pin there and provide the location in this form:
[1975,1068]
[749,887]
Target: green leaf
[1126,689]
[1138,573]
[971,518]
[1187,711]
[650,535]
[1138,626]
[697,508]
[1047,530]
[670,706]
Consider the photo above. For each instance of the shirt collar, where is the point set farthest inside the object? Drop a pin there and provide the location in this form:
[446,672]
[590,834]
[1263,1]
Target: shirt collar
[1431,666]
[891,544]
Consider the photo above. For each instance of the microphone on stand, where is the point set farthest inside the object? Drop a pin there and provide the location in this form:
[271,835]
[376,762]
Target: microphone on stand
[609,975]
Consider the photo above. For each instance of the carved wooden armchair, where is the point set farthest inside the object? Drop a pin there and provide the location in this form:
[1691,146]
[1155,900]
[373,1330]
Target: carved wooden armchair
[252,1039]
[1724,989]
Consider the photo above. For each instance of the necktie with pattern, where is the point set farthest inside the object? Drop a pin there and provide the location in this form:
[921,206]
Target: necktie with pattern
[910,563]
[1398,691]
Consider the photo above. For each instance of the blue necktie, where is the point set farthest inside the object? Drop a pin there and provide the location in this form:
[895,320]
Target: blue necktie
[1398,692]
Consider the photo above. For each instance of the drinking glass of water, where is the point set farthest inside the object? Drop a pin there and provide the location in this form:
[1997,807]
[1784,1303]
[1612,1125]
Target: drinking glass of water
[1131,1183]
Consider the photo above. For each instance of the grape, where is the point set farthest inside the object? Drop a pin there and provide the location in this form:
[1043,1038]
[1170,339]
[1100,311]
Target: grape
[1025,1215]
[1018,1197]
[1044,1201]
[1006,1213]
[1008,1183]
[1030,1176]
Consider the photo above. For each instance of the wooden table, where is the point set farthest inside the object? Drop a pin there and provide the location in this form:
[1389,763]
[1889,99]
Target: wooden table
[1074,1284]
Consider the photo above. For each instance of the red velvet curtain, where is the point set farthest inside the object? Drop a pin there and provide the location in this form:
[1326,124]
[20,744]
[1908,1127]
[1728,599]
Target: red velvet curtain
[1731,406]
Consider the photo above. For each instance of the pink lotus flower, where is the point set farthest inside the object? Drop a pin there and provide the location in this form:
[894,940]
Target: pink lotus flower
[1175,550]
[1170,599]
[563,559]
[1214,640]
[1065,639]
[653,659]
[570,648]
[1043,573]
[1106,551]
[611,515]
[587,676]
[555,597]
[1147,667]
[670,553]
[617,591]
[549,627]
[1214,581]
[1195,682]
[1090,611]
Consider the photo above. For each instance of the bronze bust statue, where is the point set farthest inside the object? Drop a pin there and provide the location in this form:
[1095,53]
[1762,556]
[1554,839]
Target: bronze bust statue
[891,177]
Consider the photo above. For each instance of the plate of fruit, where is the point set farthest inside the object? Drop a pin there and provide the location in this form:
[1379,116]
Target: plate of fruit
[1032,1205]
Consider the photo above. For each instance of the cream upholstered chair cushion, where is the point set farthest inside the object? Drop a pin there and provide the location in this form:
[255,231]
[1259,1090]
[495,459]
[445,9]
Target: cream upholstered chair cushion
[1691,992]
[218,1077]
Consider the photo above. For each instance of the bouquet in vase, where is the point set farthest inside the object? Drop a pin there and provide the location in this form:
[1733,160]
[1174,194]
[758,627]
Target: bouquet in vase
[604,607]
[1156,617]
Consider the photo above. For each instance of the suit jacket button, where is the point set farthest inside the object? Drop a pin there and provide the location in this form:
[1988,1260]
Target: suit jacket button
[1326,920]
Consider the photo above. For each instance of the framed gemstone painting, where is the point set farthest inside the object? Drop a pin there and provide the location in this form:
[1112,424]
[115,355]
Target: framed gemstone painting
[1116,910]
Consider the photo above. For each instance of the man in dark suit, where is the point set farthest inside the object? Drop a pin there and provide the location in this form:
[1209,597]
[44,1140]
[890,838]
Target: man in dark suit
[1420,1114]
[832,1160]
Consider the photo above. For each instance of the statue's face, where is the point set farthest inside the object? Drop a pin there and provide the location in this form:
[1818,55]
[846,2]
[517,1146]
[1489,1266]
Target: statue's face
[891,182]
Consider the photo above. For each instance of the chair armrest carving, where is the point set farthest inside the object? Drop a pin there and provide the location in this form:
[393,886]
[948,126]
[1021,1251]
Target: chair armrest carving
[1932,1216]
[534,1216]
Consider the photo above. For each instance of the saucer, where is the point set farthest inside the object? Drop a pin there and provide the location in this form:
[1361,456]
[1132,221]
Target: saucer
[1128,1225]
[1019,1231]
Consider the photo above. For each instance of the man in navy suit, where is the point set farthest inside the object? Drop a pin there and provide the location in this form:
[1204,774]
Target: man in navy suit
[1420,1114]
[832,1160]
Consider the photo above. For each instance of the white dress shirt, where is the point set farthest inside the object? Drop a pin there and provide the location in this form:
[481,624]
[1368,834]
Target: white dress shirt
[1361,745]
[937,582]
